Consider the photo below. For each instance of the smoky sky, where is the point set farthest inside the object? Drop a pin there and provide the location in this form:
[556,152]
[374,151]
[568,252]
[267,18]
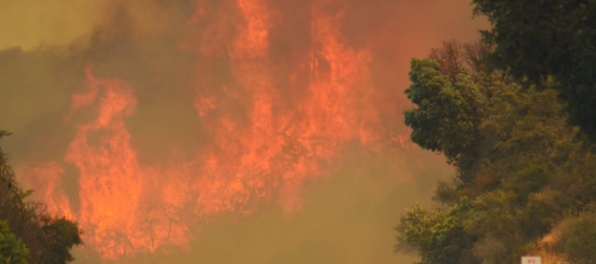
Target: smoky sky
[266,131]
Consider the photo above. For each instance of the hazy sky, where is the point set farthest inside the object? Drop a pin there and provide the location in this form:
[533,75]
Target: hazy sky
[220,131]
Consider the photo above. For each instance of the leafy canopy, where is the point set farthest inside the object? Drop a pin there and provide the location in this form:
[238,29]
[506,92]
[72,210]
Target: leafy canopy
[520,169]
[12,250]
[536,39]
[48,239]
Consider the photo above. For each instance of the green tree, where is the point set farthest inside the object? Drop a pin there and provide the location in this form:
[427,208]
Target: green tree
[48,239]
[521,169]
[447,116]
[535,39]
[59,236]
[12,250]
[438,234]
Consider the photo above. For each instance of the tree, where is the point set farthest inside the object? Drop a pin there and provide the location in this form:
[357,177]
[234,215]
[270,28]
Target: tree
[447,116]
[59,236]
[452,89]
[579,240]
[521,169]
[48,239]
[455,58]
[437,234]
[12,250]
[536,39]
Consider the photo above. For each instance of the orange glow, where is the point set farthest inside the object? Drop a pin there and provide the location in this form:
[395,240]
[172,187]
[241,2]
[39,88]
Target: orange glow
[45,179]
[262,144]
[110,176]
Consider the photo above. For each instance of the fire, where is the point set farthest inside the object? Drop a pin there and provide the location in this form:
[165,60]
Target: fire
[265,139]
[45,179]
[110,176]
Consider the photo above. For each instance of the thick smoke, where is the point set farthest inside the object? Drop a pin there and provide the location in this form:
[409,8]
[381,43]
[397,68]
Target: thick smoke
[248,131]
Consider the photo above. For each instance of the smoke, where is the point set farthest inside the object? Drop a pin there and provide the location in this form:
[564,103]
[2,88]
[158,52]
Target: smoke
[225,131]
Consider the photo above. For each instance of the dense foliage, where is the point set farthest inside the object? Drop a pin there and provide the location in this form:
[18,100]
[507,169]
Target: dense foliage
[12,250]
[27,233]
[535,39]
[521,170]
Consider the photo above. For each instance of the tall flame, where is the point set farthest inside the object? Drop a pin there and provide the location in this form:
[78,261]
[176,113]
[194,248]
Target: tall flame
[266,134]
[110,179]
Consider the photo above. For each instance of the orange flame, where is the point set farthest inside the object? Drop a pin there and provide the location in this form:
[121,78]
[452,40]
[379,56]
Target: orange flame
[263,144]
[45,179]
[111,178]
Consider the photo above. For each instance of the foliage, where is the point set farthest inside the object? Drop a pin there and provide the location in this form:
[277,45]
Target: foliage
[521,169]
[12,250]
[48,239]
[446,119]
[437,234]
[60,235]
[535,39]
[579,240]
